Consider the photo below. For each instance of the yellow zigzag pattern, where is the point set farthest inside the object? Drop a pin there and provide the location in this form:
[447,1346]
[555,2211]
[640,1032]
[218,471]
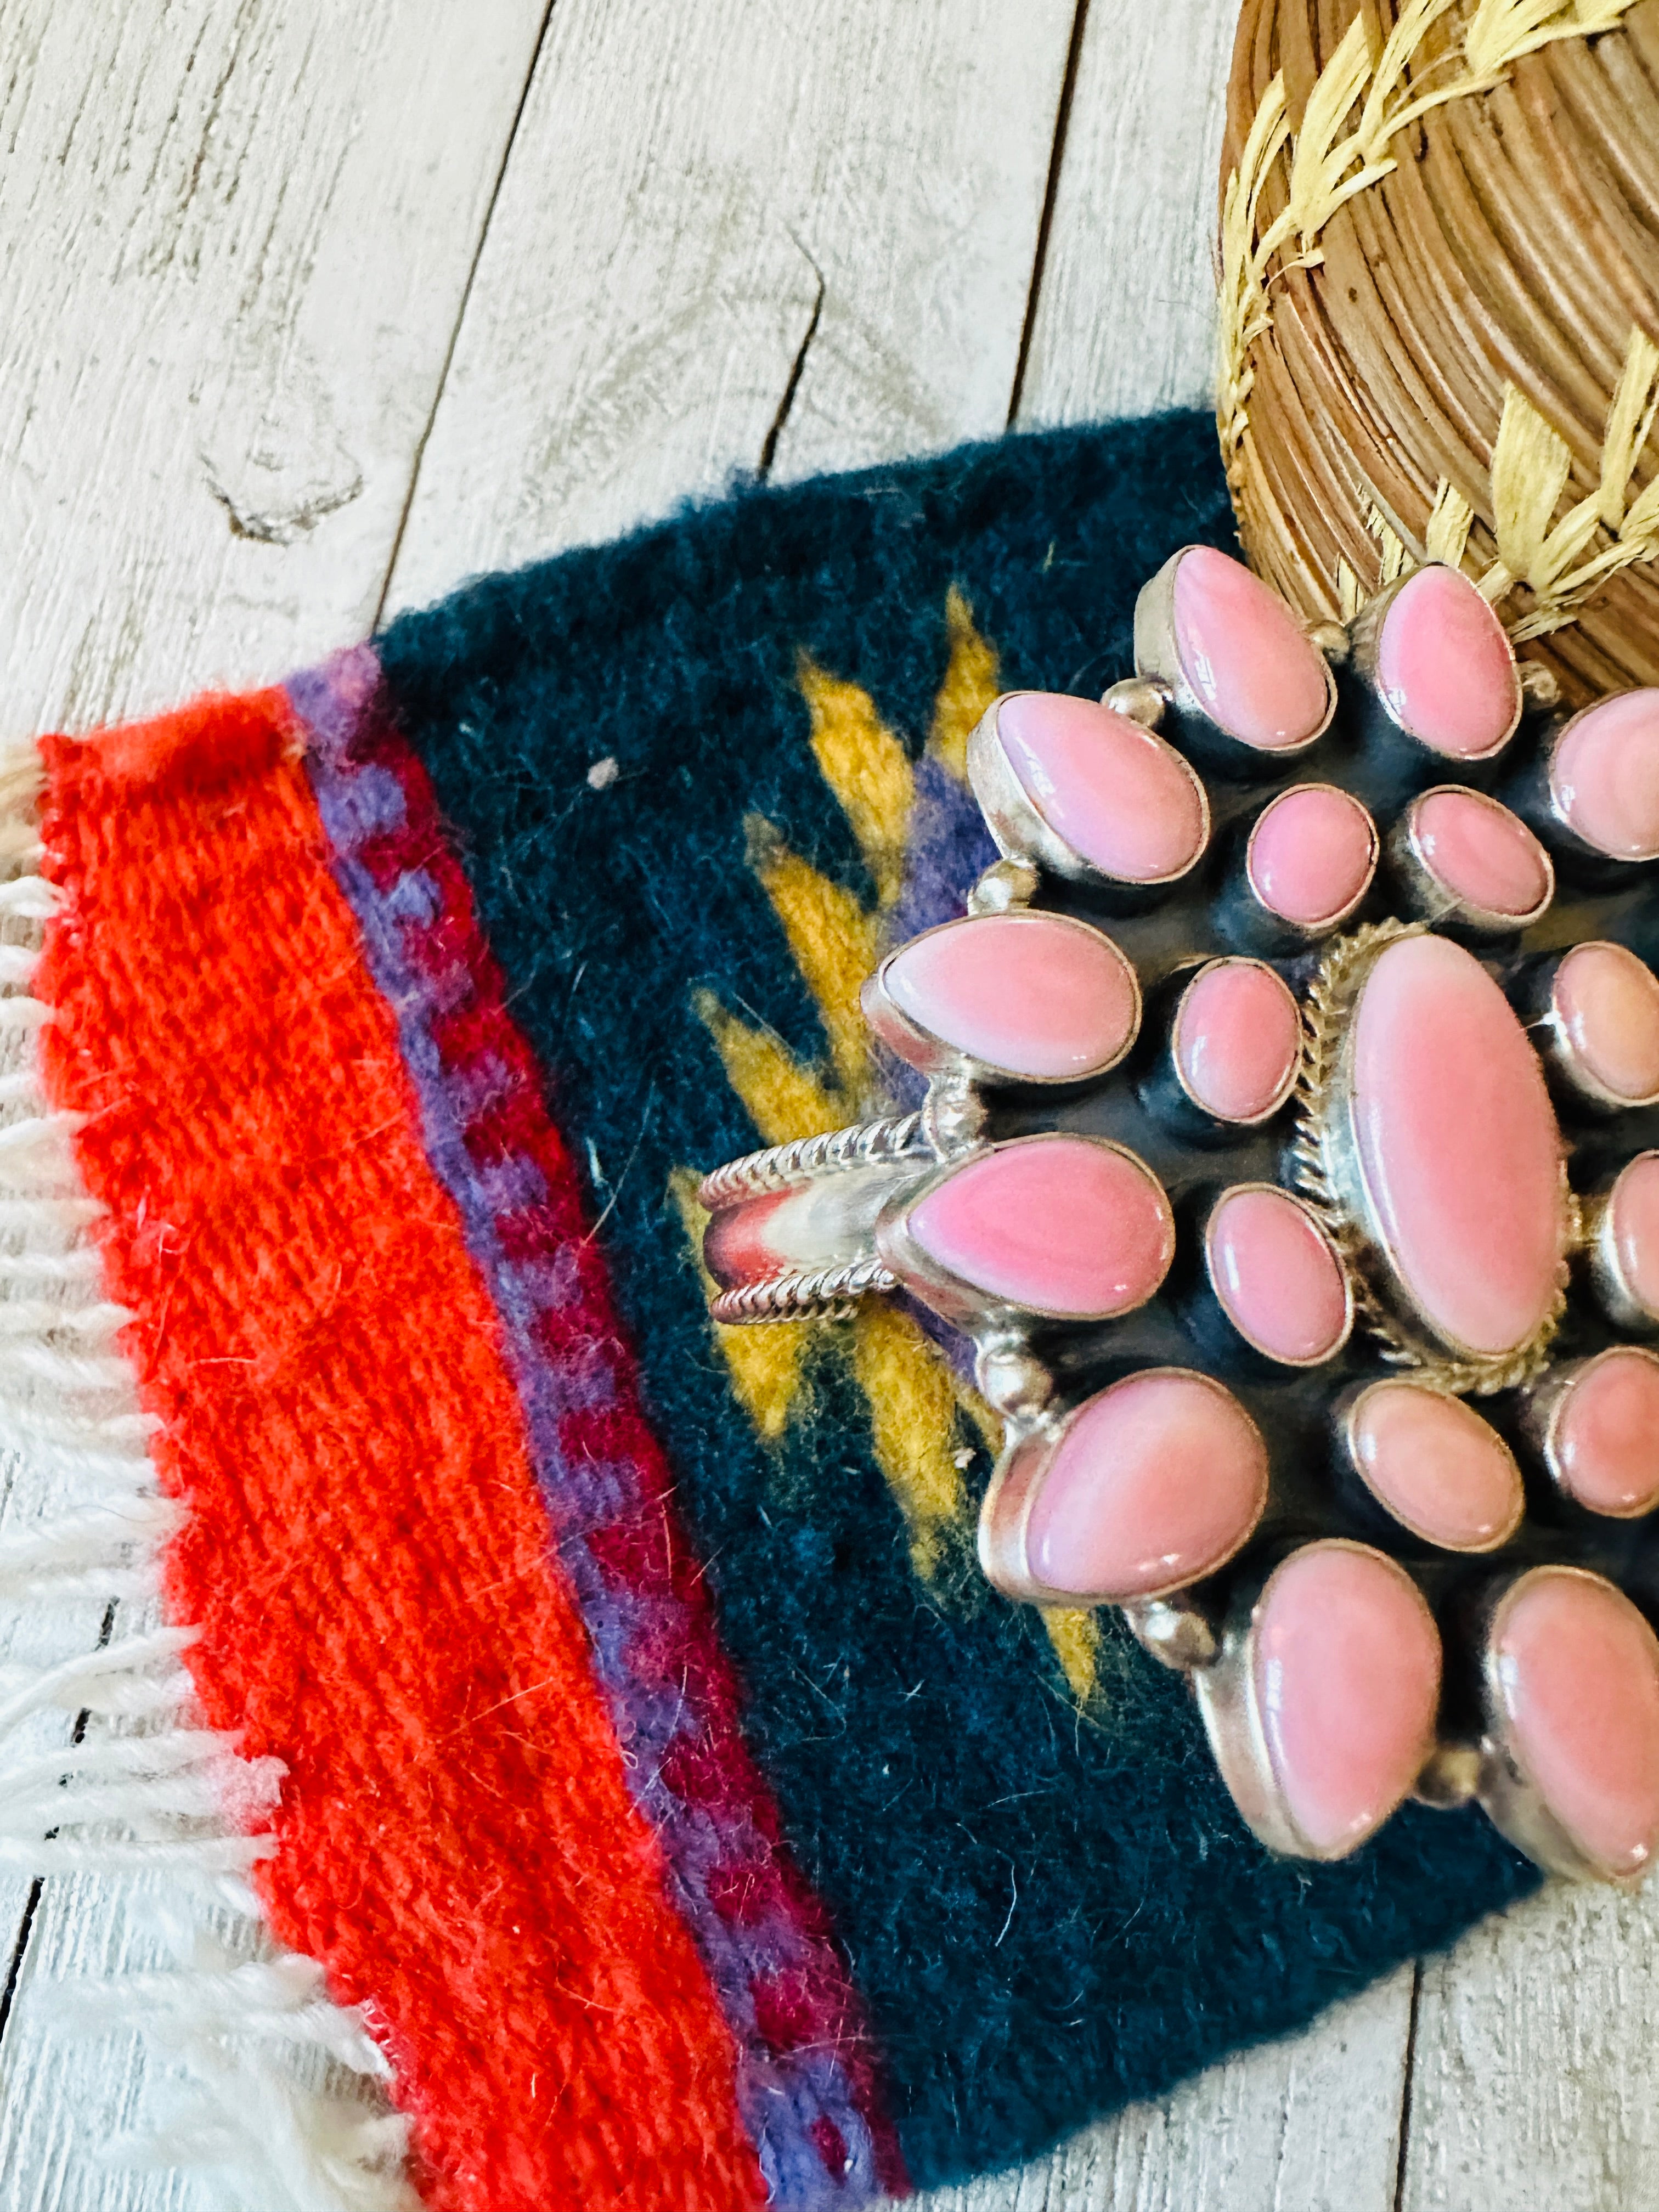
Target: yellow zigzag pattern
[915,1402]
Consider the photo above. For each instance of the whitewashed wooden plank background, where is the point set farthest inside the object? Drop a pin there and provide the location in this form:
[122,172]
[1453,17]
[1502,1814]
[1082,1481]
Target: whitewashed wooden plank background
[311,311]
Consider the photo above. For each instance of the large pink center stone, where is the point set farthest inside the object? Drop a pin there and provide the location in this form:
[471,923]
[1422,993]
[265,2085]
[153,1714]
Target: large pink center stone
[1457,1147]
[1064,1226]
[1577,1674]
[1256,675]
[1445,667]
[1124,801]
[1035,994]
[1347,1681]
[1155,1482]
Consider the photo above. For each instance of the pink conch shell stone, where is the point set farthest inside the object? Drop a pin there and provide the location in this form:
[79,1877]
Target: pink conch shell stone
[1277,1276]
[1251,669]
[1237,1040]
[1480,853]
[1633,1207]
[1457,1145]
[1122,799]
[1445,667]
[1577,1677]
[1347,1680]
[1441,1470]
[1155,1482]
[1606,1003]
[1035,994]
[1312,854]
[1604,1432]
[1604,776]
[1061,1224]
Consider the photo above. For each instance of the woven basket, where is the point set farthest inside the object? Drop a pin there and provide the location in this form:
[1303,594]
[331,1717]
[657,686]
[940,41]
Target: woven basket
[1440,310]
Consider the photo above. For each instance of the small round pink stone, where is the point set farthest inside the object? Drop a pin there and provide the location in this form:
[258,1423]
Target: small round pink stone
[1063,1225]
[1347,1680]
[1156,1481]
[1255,674]
[1122,799]
[1606,1002]
[1604,776]
[1457,1145]
[1446,669]
[1577,1676]
[1441,1470]
[1277,1276]
[1480,853]
[1605,1433]
[1312,854]
[1035,994]
[1237,1040]
[1633,1208]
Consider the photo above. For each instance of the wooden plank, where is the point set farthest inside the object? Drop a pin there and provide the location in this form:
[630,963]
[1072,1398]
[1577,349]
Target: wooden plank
[712,211]
[1306,2125]
[1125,316]
[234,241]
[1532,2085]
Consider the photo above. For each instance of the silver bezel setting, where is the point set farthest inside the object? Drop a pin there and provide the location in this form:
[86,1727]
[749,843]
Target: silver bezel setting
[932,1056]
[1229,1700]
[1157,656]
[1023,832]
[1430,896]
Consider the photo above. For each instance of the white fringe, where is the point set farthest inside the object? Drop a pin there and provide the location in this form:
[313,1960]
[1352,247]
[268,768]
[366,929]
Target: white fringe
[104,1770]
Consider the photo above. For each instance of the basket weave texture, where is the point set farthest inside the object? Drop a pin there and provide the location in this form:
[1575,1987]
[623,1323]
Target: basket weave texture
[1440,310]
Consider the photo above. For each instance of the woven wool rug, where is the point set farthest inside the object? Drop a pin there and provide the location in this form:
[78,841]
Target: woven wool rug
[628,1791]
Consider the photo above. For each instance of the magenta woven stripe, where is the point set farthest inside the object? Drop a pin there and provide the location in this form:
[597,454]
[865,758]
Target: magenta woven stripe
[806,2075]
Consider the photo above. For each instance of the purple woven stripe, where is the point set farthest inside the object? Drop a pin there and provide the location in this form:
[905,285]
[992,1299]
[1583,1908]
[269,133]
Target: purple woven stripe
[808,2105]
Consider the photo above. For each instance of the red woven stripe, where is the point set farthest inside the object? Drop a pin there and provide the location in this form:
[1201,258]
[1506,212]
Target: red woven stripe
[366,1555]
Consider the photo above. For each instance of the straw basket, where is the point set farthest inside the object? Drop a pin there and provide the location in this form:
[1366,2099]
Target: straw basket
[1440,310]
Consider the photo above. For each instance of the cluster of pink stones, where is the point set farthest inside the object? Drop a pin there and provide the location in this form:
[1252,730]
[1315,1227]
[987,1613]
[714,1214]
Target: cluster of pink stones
[1160,1478]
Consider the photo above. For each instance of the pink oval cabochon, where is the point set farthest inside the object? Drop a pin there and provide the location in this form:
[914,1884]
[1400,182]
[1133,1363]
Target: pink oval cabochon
[1348,1683]
[1122,799]
[1446,668]
[1035,994]
[1277,1276]
[1577,1671]
[1458,1144]
[1254,672]
[1238,1039]
[1155,1482]
[1058,1224]
[1436,1466]
[1480,853]
[1605,775]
